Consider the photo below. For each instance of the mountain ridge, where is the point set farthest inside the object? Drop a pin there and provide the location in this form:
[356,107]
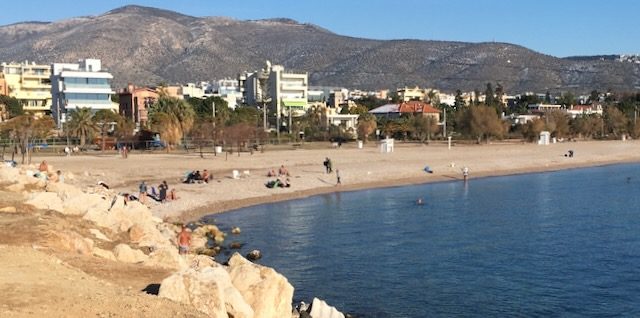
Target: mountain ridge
[146,46]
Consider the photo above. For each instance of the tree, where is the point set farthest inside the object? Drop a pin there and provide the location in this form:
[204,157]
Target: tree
[124,128]
[481,122]
[531,130]
[459,100]
[179,114]
[594,97]
[23,129]
[489,97]
[81,125]
[567,99]
[586,125]
[239,134]
[371,102]
[558,123]
[616,122]
[423,127]
[11,105]
[499,95]
[366,126]
[104,119]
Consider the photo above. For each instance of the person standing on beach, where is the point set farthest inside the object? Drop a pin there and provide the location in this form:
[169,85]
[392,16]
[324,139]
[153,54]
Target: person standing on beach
[338,177]
[465,173]
[184,241]
[163,191]
[143,192]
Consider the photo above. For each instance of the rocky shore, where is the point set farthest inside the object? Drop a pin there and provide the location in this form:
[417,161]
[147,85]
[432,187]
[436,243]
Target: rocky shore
[95,224]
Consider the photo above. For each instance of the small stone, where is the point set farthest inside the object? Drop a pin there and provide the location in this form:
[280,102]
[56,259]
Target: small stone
[254,255]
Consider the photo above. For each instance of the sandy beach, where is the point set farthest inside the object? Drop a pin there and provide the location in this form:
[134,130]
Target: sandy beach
[359,169]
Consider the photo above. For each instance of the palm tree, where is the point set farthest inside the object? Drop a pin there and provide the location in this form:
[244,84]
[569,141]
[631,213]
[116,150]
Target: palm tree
[81,124]
[180,114]
[103,120]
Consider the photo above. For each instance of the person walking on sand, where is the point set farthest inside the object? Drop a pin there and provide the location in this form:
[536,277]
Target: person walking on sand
[184,241]
[143,192]
[465,173]
[338,182]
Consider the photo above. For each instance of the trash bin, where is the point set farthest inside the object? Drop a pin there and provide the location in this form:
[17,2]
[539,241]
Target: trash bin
[218,149]
[360,144]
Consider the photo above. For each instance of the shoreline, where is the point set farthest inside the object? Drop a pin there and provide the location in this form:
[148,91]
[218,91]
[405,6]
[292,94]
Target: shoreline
[229,206]
[360,169]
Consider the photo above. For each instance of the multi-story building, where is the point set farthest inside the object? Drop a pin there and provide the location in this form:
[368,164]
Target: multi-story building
[135,103]
[80,85]
[410,93]
[285,92]
[288,91]
[29,83]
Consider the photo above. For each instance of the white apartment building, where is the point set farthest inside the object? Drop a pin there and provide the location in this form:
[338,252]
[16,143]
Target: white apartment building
[289,91]
[285,92]
[80,85]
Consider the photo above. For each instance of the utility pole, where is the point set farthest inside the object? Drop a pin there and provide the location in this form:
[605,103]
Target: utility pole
[290,120]
[444,122]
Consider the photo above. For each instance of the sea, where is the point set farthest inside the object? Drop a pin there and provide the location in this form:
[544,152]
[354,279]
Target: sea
[554,244]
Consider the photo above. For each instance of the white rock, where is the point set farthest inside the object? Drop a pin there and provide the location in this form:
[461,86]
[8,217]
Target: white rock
[268,292]
[124,253]
[166,257]
[320,309]
[104,254]
[9,209]
[45,201]
[209,290]
[99,235]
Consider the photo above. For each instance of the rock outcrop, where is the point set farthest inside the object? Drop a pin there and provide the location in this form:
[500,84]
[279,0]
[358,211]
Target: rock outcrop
[268,292]
[208,289]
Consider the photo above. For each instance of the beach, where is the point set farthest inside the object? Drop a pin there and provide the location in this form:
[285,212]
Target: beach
[46,252]
[359,169]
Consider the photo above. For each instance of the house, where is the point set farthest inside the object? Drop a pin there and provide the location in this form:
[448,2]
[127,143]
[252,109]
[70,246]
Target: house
[135,103]
[410,107]
[577,110]
[542,108]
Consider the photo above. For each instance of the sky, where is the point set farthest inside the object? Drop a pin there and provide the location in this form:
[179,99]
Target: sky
[555,27]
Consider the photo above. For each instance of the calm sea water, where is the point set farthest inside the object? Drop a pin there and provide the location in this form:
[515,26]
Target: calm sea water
[559,244]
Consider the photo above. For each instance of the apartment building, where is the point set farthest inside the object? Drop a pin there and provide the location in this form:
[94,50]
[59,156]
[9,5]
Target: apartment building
[29,83]
[285,92]
[135,103]
[80,85]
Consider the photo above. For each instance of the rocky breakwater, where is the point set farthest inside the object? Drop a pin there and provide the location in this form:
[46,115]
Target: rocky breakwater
[126,231]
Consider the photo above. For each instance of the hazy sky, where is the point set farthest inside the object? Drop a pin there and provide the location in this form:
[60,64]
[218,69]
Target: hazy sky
[556,27]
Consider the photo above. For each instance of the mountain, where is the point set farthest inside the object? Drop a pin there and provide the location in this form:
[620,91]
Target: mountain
[147,46]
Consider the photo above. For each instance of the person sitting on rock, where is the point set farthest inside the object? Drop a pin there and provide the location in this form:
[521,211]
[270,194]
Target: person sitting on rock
[44,167]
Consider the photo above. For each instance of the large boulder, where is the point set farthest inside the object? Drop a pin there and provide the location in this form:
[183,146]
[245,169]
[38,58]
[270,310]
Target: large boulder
[104,254]
[45,201]
[320,309]
[268,292]
[209,290]
[69,241]
[124,253]
[166,257]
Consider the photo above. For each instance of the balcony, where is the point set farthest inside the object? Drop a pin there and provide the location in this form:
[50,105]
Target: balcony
[36,75]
